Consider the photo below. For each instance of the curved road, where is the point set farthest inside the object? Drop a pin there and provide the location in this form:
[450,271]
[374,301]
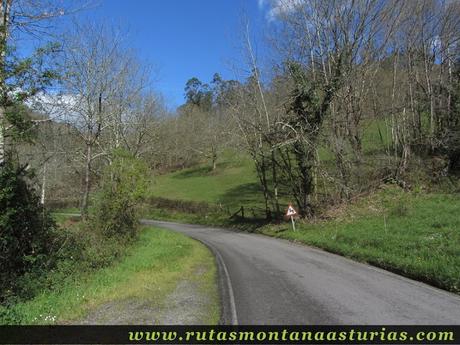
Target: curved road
[269,281]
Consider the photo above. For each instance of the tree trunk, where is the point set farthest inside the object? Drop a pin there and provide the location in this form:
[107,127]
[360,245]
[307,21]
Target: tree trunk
[261,168]
[5,7]
[275,185]
[305,159]
[87,185]
[429,90]
[2,137]
[214,160]
[43,193]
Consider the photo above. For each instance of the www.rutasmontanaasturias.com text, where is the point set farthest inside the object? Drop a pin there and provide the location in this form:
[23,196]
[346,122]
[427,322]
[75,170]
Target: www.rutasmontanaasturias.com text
[286,335]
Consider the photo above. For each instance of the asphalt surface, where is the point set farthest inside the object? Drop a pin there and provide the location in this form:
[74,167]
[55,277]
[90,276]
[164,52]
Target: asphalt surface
[269,281]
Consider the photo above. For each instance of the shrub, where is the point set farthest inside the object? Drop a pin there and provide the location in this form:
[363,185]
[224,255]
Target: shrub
[123,188]
[26,229]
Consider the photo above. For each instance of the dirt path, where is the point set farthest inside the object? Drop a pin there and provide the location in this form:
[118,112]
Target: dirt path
[188,304]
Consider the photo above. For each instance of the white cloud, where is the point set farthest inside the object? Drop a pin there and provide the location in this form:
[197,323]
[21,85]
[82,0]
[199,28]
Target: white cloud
[59,107]
[280,7]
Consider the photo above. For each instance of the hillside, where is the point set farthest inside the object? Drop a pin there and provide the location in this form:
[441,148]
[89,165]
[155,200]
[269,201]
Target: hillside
[233,183]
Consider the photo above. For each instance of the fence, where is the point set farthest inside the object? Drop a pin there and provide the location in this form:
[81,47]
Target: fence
[204,208]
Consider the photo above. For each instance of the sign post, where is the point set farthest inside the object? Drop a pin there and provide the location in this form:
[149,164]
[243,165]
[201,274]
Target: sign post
[293,223]
[291,212]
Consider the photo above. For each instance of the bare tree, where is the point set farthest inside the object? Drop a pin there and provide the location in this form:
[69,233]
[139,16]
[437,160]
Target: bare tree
[101,84]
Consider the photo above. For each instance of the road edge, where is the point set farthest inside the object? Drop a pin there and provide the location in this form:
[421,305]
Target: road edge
[228,308]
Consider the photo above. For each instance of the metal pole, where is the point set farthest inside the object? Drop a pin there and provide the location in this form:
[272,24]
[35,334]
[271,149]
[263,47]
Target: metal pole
[293,223]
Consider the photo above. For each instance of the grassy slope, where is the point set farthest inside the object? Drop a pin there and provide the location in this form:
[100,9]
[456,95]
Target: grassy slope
[233,184]
[157,262]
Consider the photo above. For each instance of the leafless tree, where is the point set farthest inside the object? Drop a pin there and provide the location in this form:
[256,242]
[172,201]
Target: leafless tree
[102,84]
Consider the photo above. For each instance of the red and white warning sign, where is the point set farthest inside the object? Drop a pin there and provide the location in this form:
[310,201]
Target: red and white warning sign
[291,211]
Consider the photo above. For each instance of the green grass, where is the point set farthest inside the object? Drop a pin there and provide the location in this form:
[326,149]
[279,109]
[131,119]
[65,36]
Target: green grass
[211,219]
[69,210]
[62,217]
[150,271]
[413,234]
[233,183]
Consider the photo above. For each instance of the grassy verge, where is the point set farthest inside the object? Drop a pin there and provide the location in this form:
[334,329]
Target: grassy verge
[210,219]
[150,271]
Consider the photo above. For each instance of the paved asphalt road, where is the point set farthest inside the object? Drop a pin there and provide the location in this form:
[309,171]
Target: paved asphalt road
[269,281]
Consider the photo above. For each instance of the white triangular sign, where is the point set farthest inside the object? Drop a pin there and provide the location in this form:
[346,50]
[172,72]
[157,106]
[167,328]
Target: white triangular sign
[290,211]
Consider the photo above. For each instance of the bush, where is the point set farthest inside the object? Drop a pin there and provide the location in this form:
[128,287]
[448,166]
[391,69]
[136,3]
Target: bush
[26,229]
[196,207]
[123,188]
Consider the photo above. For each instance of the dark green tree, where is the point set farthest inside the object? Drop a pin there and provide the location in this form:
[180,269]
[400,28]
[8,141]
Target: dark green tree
[198,94]
[26,230]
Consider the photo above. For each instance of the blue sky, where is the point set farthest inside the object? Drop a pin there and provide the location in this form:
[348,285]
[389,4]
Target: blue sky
[185,38]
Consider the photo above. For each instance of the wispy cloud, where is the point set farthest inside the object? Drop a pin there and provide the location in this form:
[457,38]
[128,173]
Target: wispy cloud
[278,8]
